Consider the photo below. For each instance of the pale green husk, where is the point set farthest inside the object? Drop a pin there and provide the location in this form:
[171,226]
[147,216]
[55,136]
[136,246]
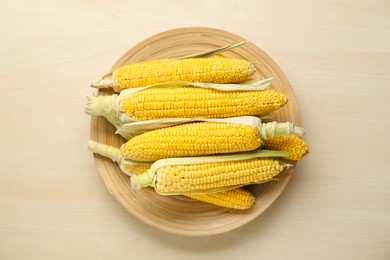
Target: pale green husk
[266,130]
[105,150]
[247,85]
[107,106]
[274,129]
[217,158]
[130,130]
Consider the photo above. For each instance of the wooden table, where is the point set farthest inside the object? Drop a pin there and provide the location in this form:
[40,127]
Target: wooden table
[336,55]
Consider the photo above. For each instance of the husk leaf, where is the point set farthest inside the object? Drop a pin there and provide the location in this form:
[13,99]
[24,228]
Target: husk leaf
[130,130]
[248,85]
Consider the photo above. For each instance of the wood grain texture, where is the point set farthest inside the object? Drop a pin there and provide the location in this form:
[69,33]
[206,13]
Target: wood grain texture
[336,56]
[175,214]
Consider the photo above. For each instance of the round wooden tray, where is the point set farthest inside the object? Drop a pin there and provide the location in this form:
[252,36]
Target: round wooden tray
[178,214]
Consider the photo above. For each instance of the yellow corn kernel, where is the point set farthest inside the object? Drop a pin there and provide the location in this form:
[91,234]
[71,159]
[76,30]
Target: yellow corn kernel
[135,169]
[295,146]
[192,139]
[235,199]
[193,102]
[204,178]
[212,70]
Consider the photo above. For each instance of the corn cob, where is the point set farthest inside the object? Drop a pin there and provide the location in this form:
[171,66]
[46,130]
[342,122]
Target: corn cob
[130,130]
[135,169]
[203,138]
[185,102]
[237,198]
[193,139]
[190,102]
[214,70]
[197,175]
[198,178]
[295,146]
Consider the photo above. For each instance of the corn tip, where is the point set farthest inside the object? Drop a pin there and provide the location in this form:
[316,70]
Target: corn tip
[288,166]
[90,107]
[90,144]
[105,82]
[134,185]
[299,131]
[252,69]
[95,83]
[285,100]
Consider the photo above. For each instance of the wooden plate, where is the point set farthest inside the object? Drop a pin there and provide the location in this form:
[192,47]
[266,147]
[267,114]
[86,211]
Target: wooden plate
[178,214]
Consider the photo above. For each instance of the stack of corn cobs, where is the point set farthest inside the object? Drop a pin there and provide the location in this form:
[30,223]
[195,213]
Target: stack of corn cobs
[194,127]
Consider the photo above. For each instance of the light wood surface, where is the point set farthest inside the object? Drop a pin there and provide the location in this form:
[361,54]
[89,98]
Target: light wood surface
[336,55]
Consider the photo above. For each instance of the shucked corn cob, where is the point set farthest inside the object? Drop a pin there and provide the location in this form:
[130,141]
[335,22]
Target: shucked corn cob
[192,139]
[204,138]
[295,146]
[190,102]
[214,70]
[236,198]
[197,175]
[184,102]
